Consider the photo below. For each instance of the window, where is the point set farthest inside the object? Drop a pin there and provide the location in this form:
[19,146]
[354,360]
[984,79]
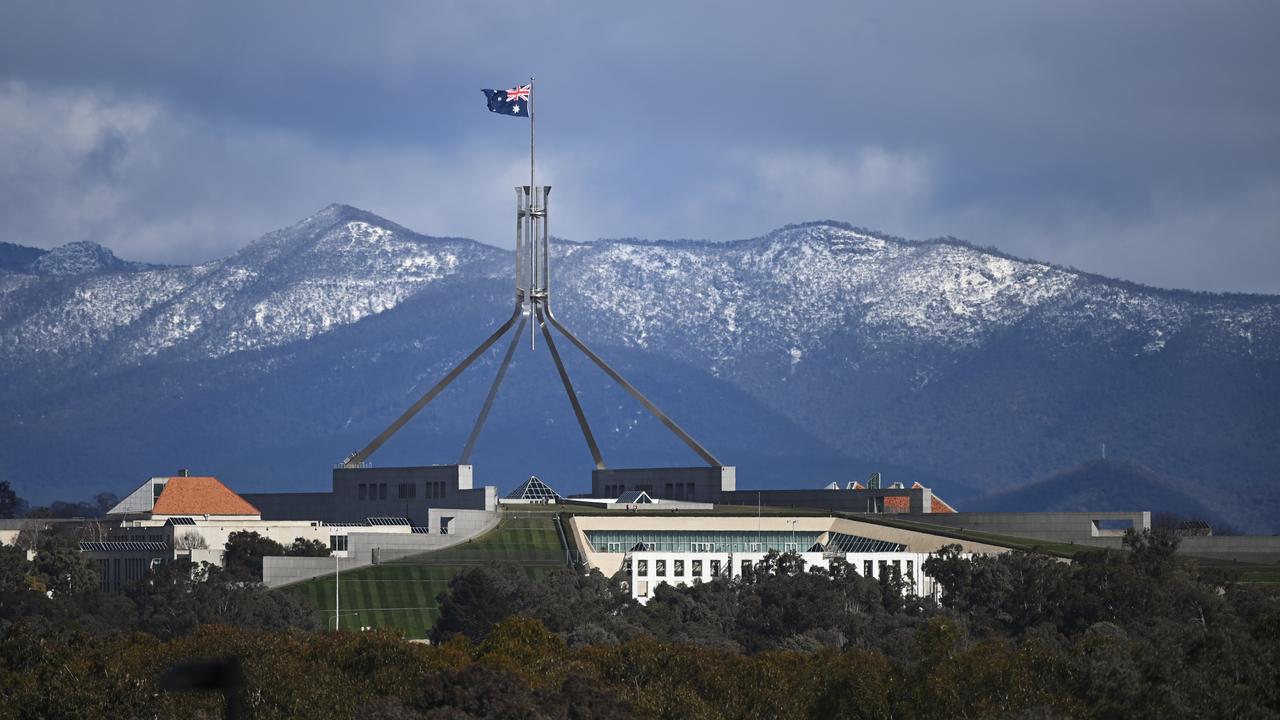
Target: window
[746,567]
[715,568]
[866,568]
[338,542]
[364,491]
[754,547]
[660,567]
[642,567]
[911,570]
[408,491]
[679,568]
[697,568]
[897,569]
[790,547]
[884,568]
[613,547]
[700,546]
[382,491]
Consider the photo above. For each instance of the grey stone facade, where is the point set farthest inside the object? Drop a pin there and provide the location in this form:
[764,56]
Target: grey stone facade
[696,484]
[360,493]
[918,500]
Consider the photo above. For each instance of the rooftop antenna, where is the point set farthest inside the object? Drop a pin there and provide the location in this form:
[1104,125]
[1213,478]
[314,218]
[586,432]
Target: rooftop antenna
[532,305]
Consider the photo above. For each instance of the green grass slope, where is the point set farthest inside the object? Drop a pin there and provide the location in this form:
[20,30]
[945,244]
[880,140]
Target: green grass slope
[402,593]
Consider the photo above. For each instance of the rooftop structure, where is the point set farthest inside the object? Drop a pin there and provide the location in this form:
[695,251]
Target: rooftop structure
[183,496]
[532,490]
[201,496]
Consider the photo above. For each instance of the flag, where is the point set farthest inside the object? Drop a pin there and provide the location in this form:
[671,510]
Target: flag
[513,102]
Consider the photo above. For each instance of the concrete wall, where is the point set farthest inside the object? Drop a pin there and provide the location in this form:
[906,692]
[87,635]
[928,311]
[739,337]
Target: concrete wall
[698,484]
[426,487]
[1066,527]
[364,548]
[918,500]
[117,569]
[1243,548]
[295,506]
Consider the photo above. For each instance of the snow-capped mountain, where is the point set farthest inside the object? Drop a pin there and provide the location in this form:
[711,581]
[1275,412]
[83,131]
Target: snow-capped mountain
[334,268]
[815,352]
[82,258]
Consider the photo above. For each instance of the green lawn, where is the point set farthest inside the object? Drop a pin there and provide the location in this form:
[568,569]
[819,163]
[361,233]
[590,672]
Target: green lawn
[402,593]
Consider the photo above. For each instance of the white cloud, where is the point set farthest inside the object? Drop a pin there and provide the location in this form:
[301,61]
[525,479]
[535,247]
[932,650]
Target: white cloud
[157,184]
[871,186]
[1181,238]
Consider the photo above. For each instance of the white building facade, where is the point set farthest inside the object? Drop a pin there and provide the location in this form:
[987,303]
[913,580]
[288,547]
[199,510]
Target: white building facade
[648,569]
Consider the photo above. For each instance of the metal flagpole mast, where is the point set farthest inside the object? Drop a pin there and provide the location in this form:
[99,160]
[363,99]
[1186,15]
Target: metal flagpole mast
[533,251]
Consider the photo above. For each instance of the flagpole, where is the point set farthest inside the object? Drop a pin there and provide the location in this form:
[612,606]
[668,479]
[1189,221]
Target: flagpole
[533,251]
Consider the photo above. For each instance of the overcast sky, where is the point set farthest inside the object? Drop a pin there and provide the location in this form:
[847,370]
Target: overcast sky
[1139,140]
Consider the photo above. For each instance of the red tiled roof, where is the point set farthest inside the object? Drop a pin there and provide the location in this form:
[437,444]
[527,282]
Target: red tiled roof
[897,504]
[200,496]
[941,506]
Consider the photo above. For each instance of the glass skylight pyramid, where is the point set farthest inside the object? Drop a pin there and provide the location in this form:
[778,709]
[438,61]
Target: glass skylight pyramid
[533,489]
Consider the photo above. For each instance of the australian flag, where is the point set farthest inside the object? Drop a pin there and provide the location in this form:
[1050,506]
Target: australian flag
[513,102]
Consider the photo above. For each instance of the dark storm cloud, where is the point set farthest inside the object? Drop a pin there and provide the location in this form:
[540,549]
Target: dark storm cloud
[1139,140]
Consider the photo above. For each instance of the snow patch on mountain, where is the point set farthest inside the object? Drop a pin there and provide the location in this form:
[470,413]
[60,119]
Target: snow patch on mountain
[784,297]
[82,258]
[332,269]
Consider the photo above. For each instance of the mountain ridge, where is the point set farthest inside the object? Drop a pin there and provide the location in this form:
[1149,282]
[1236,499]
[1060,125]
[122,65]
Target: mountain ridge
[949,361]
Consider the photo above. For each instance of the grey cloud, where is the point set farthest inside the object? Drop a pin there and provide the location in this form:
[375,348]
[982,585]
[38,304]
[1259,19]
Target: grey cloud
[1073,132]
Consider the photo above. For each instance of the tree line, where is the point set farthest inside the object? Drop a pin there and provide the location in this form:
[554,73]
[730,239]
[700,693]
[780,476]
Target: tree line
[1140,633]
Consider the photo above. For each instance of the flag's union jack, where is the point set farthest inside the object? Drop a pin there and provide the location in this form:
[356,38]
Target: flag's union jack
[513,102]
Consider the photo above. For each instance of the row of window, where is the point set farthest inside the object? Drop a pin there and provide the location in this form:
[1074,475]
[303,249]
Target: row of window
[893,566]
[613,491]
[705,547]
[138,537]
[672,491]
[678,566]
[372,491]
[679,491]
[404,491]
[700,540]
